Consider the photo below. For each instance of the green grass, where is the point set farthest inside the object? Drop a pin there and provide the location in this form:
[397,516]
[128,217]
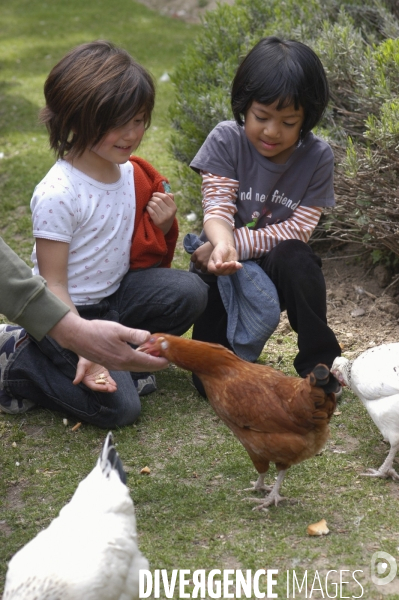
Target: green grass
[191,510]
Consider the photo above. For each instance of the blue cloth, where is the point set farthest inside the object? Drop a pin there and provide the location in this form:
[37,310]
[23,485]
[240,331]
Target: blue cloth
[251,302]
[191,242]
[253,309]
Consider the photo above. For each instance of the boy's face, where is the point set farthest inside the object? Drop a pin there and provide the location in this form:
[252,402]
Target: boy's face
[274,133]
[118,144]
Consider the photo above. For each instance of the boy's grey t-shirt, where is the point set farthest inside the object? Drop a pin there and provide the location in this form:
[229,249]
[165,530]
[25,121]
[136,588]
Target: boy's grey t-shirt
[268,193]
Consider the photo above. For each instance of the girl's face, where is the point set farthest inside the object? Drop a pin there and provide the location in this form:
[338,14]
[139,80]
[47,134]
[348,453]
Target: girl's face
[118,144]
[274,133]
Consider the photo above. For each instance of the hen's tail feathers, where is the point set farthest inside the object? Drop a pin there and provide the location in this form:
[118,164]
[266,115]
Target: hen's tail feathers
[321,377]
[109,459]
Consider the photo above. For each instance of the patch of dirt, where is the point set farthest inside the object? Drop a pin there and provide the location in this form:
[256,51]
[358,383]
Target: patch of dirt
[190,11]
[14,495]
[362,299]
[5,529]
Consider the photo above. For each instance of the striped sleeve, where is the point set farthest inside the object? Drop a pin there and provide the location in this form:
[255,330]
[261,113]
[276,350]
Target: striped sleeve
[254,243]
[219,196]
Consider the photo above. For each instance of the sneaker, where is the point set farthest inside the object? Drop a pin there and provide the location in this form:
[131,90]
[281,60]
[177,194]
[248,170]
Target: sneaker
[11,336]
[145,386]
[12,406]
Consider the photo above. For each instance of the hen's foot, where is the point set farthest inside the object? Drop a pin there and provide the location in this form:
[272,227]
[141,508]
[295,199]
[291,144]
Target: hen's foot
[383,473]
[268,501]
[274,496]
[257,487]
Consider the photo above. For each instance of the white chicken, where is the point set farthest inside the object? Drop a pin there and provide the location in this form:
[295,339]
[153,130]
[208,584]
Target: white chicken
[89,552]
[374,378]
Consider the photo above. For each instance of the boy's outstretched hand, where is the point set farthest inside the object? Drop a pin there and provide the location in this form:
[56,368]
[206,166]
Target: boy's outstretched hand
[218,260]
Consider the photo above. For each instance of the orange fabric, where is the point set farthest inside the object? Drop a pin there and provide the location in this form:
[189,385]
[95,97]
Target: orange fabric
[150,247]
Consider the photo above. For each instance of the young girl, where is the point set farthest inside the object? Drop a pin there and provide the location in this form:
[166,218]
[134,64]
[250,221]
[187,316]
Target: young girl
[98,105]
[265,180]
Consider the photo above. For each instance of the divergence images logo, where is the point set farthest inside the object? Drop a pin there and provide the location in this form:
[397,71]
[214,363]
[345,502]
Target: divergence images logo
[383,568]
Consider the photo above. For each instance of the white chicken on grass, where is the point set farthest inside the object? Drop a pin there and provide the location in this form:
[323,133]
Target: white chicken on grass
[89,552]
[374,378]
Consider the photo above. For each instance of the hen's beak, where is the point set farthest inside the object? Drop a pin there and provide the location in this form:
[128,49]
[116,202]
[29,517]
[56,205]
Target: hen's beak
[338,376]
[146,347]
[151,346]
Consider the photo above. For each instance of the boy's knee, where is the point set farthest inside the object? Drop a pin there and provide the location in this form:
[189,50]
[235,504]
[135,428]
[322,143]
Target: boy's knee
[119,418]
[125,418]
[295,254]
[122,412]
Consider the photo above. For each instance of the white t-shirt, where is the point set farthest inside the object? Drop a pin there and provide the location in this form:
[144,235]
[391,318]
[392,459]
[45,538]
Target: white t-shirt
[95,219]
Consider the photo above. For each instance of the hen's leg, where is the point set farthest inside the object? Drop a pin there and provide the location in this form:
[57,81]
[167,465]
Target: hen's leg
[274,496]
[386,470]
[259,486]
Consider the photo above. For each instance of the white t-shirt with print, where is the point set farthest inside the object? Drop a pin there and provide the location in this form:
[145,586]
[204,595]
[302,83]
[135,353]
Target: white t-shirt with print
[95,219]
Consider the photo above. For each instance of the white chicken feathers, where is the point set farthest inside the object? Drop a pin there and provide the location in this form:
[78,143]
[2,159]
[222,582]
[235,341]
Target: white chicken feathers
[89,552]
[374,378]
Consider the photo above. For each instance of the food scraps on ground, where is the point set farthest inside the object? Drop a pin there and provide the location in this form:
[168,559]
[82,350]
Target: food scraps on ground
[319,528]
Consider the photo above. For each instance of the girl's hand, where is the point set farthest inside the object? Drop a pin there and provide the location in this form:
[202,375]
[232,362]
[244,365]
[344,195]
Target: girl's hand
[223,259]
[200,256]
[94,376]
[162,210]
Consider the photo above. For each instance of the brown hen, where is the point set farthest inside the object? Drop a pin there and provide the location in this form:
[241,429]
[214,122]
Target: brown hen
[277,418]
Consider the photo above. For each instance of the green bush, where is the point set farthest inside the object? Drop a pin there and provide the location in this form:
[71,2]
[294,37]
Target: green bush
[366,176]
[359,47]
[367,184]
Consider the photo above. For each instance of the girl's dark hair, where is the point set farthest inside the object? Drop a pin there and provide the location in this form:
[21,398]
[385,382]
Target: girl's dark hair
[286,71]
[96,87]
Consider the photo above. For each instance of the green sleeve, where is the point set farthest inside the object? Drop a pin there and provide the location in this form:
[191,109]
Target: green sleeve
[25,298]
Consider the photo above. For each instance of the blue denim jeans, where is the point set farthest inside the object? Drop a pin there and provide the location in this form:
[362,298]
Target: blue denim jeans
[296,272]
[163,300]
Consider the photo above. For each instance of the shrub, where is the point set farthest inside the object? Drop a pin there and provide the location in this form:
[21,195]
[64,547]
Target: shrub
[367,166]
[367,187]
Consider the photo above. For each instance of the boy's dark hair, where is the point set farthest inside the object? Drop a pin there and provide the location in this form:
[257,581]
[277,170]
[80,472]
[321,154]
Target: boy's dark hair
[286,71]
[96,87]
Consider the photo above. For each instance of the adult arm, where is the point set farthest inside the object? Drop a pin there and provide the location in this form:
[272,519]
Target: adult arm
[106,343]
[24,298]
